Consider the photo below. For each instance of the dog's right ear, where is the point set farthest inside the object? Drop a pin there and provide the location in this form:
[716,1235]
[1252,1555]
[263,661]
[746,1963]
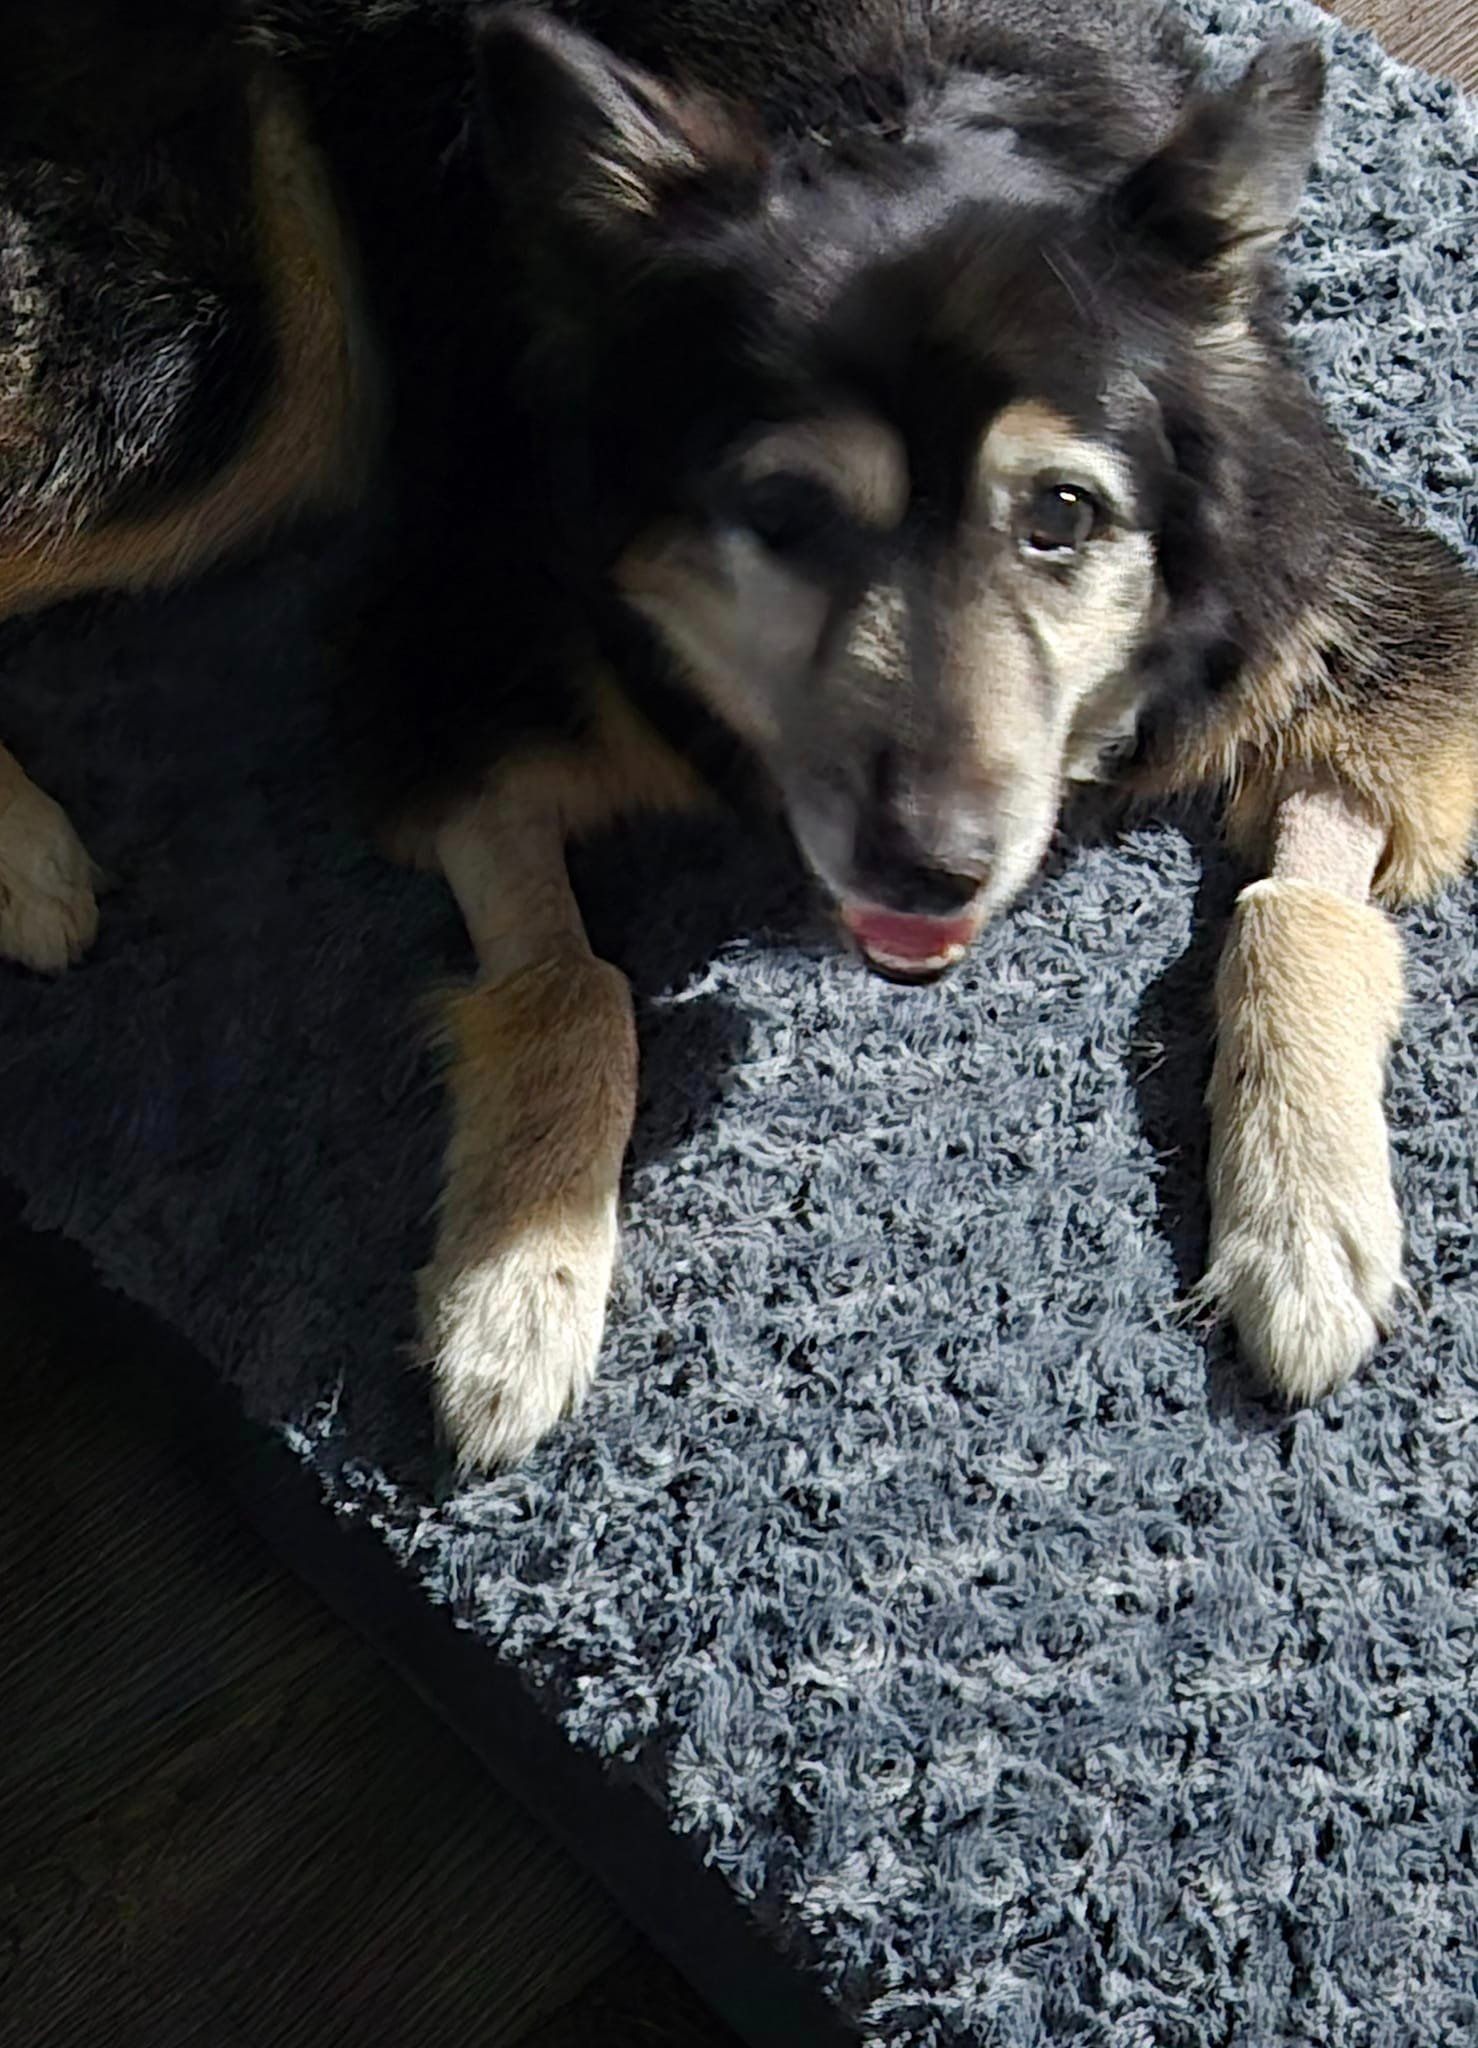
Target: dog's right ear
[1228,182]
[603,143]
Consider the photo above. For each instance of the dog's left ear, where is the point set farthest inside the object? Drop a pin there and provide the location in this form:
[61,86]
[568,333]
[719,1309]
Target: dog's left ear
[1228,182]
[604,144]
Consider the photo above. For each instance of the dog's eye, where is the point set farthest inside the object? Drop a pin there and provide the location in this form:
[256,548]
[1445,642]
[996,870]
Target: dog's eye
[1058,520]
[790,513]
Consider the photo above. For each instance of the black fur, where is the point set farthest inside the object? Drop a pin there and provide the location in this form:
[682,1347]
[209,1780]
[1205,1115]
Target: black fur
[1047,162]
[563,373]
[133,349]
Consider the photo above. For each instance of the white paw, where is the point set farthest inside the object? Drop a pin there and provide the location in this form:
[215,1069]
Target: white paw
[1309,1285]
[513,1334]
[48,911]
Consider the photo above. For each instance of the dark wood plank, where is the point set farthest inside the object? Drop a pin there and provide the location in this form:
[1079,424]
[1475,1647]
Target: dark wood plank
[222,1821]
[635,2005]
[1440,35]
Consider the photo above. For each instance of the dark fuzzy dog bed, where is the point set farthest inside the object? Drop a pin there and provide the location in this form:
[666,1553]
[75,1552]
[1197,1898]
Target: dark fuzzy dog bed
[1024,1677]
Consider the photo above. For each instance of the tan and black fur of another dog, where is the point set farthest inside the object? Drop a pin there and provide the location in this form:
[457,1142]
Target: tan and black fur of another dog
[881,407]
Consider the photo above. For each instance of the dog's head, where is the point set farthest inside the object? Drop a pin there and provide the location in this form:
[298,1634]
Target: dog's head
[893,435]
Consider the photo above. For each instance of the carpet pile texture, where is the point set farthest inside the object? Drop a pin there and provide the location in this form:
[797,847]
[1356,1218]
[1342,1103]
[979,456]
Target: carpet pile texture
[1027,1677]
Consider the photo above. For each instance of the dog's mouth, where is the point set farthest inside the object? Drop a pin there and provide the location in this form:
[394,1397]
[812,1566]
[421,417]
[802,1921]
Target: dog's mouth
[905,947]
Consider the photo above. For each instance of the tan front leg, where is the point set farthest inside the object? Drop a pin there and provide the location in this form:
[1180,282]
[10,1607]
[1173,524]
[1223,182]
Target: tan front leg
[543,1089]
[48,911]
[1305,1232]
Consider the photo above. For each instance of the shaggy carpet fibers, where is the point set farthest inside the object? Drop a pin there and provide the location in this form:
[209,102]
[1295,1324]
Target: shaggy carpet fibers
[1028,1679]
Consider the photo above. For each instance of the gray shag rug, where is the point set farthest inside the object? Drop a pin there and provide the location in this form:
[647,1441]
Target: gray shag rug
[1028,1679]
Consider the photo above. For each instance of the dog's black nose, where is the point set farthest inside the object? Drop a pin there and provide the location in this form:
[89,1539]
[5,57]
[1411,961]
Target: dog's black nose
[891,868]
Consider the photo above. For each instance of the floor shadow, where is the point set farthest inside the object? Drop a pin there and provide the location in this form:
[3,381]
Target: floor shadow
[1173,1048]
[1093,814]
[662,900]
[1173,1045]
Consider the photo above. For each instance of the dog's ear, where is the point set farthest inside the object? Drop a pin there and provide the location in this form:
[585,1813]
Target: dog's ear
[1228,182]
[604,143]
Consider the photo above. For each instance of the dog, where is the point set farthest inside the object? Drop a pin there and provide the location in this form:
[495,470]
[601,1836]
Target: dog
[882,405]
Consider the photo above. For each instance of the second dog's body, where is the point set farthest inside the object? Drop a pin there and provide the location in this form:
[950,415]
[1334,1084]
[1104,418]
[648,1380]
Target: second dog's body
[884,404]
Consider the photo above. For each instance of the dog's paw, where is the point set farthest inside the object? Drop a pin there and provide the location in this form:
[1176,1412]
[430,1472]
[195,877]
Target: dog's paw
[48,908]
[1305,1230]
[513,1334]
[1309,1283]
[542,1081]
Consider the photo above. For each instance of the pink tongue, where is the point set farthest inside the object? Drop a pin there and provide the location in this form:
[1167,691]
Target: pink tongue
[898,937]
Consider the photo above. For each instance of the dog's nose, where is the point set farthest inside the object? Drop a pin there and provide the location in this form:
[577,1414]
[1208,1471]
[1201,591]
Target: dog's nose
[896,865]
[915,888]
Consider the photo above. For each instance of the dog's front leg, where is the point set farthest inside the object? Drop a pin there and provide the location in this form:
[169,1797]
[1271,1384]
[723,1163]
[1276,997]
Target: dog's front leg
[48,908]
[1305,1232]
[542,1092]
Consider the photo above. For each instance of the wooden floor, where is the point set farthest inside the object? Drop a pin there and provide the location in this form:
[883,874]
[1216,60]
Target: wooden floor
[1440,35]
[222,1823]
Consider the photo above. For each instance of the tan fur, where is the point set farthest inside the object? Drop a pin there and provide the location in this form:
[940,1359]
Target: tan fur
[648,150]
[1306,1235]
[48,910]
[23,388]
[1414,767]
[625,768]
[543,1089]
[729,652]
[1231,347]
[1324,835]
[311,442]
[504,860]
[1029,440]
[1035,668]
[543,1078]
[858,457]
[877,648]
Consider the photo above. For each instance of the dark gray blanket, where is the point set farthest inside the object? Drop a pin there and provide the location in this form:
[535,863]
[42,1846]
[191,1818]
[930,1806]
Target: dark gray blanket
[1022,1671]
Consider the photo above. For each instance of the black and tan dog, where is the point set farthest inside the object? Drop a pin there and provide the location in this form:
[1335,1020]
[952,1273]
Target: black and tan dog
[888,398]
